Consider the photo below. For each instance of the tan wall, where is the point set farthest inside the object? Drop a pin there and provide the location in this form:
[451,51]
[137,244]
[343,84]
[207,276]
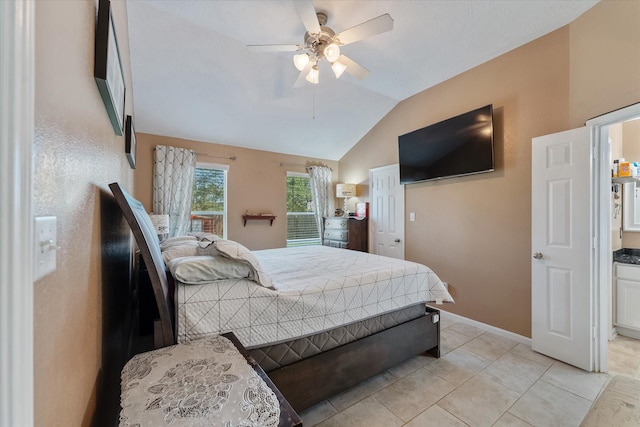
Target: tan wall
[256,183]
[475,231]
[76,154]
[605,60]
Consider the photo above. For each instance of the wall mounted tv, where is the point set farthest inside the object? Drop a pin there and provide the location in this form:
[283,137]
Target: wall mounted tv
[461,145]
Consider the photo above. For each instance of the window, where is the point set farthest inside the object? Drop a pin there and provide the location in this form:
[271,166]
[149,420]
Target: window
[209,205]
[301,222]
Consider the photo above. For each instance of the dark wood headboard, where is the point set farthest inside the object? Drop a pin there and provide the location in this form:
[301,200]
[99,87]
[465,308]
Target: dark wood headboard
[147,240]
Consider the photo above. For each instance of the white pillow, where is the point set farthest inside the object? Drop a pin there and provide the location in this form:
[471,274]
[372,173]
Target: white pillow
[177,251]
[173,241]
[195,270]
[235,250]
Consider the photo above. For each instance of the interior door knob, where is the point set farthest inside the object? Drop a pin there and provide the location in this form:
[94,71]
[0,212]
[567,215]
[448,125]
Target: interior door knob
[397,240]
[537,255]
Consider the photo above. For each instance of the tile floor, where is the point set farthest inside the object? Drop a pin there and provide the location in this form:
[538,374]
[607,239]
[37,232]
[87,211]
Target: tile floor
[624,357]
[481,379]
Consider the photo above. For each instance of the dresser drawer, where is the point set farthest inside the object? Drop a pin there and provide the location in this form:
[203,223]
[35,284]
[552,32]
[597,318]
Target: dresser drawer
[337,223]
[341,235]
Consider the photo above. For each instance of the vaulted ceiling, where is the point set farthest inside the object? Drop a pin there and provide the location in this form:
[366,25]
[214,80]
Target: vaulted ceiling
[193,77]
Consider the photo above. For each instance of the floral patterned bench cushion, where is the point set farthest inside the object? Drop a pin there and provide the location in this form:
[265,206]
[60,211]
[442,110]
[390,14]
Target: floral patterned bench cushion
[199,383]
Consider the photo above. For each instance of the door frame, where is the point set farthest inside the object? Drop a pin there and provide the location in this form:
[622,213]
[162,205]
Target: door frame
[402,193]
[601,211]
[17,85]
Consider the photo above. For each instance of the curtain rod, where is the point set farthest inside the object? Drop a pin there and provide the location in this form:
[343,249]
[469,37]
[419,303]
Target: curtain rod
[217,157]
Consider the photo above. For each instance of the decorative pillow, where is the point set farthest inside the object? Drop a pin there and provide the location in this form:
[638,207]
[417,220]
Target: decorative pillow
[177,251]
[173,241]
[195,270]
[207,248]
[205,237]
[235,250]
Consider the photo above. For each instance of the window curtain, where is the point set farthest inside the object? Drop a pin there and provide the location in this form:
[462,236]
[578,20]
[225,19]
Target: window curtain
[173,174]
[322,193]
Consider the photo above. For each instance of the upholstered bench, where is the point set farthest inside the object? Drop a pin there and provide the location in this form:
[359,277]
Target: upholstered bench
[208,382]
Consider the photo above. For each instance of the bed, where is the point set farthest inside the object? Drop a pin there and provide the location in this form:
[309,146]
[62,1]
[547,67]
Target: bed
[318,320]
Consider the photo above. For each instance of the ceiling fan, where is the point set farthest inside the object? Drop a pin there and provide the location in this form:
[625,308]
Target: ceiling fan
[321,42]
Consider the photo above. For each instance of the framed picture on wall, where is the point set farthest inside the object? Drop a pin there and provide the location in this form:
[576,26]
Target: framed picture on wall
[107,68]
[130,143]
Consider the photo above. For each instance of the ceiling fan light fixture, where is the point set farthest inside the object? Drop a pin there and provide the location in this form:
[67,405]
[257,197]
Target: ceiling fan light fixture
[332,52]
[301,60]
[314,75]
[338,68]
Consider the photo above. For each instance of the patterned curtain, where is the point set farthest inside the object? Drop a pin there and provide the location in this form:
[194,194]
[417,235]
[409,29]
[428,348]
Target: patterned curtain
[322,193]
[173,174]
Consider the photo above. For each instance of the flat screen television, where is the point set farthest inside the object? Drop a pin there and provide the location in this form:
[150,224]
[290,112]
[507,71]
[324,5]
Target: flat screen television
[461,145]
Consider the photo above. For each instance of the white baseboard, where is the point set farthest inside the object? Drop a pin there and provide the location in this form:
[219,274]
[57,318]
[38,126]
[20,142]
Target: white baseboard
[488,328]
[628,332]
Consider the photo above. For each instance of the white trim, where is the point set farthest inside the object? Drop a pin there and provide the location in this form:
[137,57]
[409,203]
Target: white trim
[602,227]
[17,71]
[487,328]
[297,174]
[207,165]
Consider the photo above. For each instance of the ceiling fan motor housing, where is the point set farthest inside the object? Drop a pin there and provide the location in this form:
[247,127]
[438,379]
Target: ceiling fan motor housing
[317,42]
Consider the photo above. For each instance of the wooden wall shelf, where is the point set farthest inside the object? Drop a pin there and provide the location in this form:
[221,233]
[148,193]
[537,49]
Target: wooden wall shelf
[269,218]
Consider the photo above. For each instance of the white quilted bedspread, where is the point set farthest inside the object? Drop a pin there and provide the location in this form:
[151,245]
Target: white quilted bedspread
[317,288]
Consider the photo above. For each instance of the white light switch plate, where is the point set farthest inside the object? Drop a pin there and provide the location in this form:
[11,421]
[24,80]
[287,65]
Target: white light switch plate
[412,216]
[45,246]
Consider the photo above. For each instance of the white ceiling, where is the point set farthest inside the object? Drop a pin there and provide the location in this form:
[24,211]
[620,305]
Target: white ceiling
[193,77]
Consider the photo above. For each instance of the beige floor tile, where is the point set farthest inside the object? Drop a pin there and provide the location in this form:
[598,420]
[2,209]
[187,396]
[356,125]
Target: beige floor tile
[525,351]
[458,366]
[468,330]
[317,413]
[514,371]
[412,365]
[435,416]
[446,322]
[510,420]
[545,405]
[413,394]
[584,384]
[624,357]
[365,389]
[367,412]
[450,340]
[489,346]
[479,401]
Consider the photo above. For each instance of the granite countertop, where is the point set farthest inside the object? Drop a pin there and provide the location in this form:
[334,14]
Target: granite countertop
[627,256]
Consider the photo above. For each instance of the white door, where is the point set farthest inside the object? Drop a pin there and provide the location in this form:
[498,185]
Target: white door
[387,211]
[562,246]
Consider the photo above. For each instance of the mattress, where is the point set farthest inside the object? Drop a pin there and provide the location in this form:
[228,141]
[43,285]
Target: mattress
[275,356]
[317,288]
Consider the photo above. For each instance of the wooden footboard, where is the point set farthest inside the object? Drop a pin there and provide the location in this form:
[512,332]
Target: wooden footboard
[313,380]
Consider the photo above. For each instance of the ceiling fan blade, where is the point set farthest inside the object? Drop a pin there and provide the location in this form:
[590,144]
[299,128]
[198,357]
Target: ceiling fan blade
[353,68]
[274,47]
[381,24]
[307,14]
[303,75]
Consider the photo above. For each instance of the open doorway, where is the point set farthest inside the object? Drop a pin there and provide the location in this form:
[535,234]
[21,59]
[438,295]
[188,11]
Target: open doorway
[605,227]
[623,349]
